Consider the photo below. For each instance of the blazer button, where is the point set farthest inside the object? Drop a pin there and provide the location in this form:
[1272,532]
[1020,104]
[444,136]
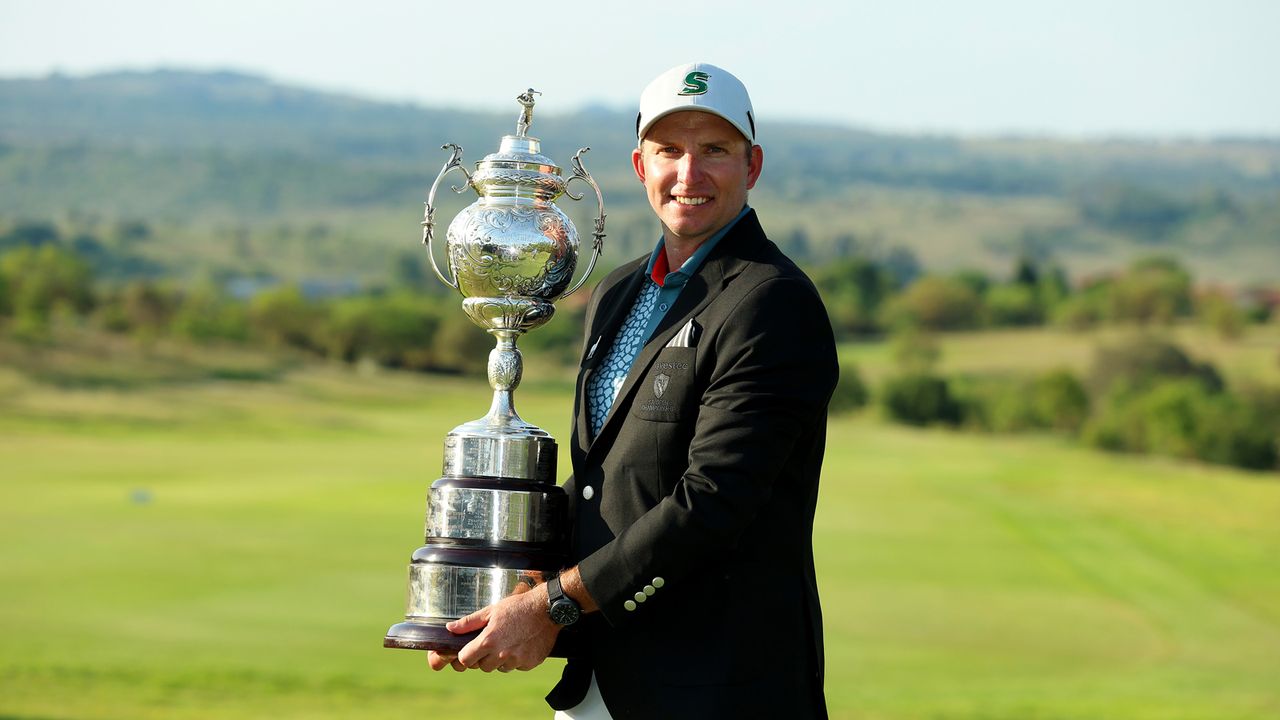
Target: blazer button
[641,597]
[588,492]
[659,582]
[629,605]
[649,590]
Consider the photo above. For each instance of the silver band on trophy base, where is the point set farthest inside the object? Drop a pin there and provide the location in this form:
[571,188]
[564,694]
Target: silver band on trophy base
[496,521]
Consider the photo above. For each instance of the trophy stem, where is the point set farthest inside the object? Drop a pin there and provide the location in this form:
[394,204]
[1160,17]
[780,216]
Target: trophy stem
[506,368]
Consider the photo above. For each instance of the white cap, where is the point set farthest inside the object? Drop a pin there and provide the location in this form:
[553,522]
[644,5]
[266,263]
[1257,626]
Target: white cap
[697,86]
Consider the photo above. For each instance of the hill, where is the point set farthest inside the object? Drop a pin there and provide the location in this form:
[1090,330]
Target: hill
[237,174]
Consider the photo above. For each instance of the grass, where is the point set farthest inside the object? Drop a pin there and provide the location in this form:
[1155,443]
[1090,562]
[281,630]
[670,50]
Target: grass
[1252,358]
[223,548]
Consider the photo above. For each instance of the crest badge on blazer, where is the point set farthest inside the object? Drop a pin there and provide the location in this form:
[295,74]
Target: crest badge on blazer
[660,384]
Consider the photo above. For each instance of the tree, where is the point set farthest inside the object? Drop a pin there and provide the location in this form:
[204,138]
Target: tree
[282,316]
[40,279]
[30,234]
[1154,290]
[853,291]
[918,399]
[1217,311]
[1139,362]
[1014,304]
[206,314]
[937,303]
[407,271]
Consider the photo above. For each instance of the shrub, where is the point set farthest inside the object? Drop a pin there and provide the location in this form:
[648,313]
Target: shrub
[1014,305]
[38,279]
[1060,401]
[1184,418]
[1140,361]
[1154,290]
[1078,312]
[920,399]
[996,404]
[205,314]
[853,290]
[1235,432]
[146,308]
[937,303]
[395,331]
[282,316]
[1218,312]
[851,392]
[1055,400]
[460,346]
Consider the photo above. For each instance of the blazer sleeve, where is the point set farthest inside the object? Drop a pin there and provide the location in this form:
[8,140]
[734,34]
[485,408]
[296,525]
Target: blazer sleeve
[773,371]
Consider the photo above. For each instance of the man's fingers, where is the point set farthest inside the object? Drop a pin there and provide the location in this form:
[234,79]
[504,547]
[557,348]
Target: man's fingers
[457,665]
[480,654]
[438,660]
[492,662]
[470,623]
[473,652]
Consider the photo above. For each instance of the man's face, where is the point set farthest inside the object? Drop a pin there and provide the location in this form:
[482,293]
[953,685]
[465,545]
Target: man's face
[696,170]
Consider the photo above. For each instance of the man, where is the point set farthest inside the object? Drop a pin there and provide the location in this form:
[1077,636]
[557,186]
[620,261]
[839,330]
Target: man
[700,418]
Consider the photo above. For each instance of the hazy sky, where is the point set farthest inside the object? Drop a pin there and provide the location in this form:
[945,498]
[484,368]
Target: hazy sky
[1079,67]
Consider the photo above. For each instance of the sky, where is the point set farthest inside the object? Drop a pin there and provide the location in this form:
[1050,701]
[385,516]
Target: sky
[1078,68]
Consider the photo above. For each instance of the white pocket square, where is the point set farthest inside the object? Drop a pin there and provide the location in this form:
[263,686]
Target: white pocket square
[687,337]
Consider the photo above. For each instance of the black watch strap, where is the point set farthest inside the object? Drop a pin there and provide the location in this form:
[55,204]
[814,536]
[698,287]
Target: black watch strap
[563,609]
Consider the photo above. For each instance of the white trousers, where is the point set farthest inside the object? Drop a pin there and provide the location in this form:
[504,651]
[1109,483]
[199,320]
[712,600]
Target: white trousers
[591,708]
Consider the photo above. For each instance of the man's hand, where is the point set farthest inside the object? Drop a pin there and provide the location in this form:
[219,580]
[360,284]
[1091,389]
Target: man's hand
[517,635]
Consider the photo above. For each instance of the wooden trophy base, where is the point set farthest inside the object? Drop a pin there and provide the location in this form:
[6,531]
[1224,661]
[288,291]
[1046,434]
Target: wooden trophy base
[421,636]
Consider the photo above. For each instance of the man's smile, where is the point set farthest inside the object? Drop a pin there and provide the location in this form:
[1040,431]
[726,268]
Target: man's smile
[690,200]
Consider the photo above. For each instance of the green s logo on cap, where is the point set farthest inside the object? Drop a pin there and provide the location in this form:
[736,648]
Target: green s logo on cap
[695,83]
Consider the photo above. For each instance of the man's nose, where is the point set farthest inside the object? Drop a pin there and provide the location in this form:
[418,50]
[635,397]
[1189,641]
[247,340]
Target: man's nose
[689,169]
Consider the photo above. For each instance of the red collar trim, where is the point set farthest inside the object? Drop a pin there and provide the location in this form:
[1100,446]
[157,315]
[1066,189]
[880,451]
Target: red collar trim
[660,268]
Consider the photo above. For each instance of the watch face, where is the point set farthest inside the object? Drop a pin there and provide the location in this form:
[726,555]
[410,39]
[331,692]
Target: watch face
[564,612]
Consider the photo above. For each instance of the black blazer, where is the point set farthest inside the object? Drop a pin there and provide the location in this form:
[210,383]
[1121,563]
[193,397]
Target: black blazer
[696,537]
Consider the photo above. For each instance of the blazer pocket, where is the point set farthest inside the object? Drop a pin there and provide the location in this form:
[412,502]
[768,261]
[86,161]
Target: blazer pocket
[664,393]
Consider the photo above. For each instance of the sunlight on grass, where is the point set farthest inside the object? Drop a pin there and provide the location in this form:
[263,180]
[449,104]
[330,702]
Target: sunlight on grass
[223,549]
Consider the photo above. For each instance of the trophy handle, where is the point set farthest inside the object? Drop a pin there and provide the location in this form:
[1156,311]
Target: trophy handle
[580,173]
[428,218]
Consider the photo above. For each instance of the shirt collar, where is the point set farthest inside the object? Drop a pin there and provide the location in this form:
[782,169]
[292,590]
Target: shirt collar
[660,272]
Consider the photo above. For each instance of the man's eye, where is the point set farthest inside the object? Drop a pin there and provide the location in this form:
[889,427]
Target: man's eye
[715,150]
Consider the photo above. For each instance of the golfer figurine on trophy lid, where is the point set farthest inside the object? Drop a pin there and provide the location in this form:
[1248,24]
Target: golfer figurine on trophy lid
[496,522]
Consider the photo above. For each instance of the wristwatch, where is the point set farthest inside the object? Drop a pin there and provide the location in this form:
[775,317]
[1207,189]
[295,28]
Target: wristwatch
[562,608]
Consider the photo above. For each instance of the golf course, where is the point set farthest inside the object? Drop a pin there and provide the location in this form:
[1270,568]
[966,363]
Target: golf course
[235,546]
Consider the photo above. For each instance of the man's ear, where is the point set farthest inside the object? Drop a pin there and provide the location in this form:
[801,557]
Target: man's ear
[637,162]
[754,165]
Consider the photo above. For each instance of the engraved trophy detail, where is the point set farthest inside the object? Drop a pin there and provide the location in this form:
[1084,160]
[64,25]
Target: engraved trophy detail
[496,521]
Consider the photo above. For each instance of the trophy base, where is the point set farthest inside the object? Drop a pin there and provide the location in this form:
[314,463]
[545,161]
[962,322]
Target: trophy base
[424,636]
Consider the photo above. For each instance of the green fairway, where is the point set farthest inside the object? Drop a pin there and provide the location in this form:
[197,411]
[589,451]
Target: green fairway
[237,549]
[1254,358]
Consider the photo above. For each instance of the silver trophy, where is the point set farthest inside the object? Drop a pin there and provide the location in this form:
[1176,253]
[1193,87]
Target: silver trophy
[496,521]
